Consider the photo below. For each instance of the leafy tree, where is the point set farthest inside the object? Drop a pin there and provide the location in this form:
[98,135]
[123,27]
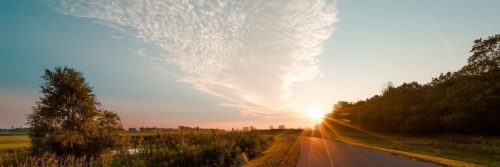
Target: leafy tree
[485,56]
[342,105]
[68,120]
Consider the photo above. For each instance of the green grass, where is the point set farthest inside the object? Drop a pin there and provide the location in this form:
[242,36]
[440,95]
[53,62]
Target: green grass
[450,150]
[14,142]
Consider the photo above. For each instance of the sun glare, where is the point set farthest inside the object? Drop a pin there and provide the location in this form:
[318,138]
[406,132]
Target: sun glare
[316,113]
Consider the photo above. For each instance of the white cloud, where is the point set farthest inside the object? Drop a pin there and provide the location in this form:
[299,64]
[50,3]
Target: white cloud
[248,52]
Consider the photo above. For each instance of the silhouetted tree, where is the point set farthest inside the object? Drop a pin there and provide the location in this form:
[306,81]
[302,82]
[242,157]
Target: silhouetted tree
[68,120]
[281,127]
[485,56]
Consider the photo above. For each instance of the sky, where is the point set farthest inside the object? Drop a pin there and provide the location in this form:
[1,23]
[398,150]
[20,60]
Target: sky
[229,64]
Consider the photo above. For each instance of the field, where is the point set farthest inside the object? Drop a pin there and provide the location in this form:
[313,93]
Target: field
[13,142]
[210,148]
[449,150]
[22,141]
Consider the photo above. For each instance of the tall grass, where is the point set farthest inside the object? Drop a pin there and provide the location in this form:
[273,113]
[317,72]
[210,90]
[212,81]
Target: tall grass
[48,159]
[189,149]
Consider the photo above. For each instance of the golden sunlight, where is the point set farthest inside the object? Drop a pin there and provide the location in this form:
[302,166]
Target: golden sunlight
[316,113]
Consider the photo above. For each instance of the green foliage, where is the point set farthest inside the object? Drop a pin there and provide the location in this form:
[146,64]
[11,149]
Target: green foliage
[177,149]
[67,119]
[217,149]
[485,56]
[466,101]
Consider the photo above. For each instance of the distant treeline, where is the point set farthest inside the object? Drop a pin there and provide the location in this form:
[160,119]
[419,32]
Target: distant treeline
[466,101]
[180,128]
[14,130]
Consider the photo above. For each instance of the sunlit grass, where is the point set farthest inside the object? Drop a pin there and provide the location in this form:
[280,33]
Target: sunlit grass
[283,152]
[14,142]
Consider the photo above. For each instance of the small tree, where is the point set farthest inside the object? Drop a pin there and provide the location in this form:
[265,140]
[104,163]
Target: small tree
[67,119]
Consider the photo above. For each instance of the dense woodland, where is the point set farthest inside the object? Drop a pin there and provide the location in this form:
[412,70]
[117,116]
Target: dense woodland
[465,102]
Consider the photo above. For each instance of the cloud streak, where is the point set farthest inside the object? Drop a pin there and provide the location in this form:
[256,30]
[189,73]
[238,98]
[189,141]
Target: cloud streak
[248,52]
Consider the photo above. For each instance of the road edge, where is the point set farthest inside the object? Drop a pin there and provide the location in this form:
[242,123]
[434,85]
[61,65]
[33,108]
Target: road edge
[416,156]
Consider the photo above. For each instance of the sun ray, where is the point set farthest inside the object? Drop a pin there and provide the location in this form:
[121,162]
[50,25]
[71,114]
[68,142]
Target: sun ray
[325,145]
[363,130]
[342,138]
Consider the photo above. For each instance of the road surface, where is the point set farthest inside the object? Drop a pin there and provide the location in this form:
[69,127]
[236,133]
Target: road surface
[314,152]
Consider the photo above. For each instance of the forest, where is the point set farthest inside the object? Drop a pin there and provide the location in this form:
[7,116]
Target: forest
[466,101]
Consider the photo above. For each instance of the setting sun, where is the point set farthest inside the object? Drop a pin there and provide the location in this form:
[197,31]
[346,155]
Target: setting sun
[294,83]
[316,113]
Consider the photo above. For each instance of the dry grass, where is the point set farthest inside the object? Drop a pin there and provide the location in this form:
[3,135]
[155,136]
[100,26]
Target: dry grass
[284,151]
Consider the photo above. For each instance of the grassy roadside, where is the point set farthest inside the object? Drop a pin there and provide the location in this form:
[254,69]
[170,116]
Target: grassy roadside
[448,150]
[283,152]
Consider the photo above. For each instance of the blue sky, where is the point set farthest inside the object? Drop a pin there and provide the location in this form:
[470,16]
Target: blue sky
[371,44]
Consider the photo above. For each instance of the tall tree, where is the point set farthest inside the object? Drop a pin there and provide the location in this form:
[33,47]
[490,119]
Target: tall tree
[485,56]
[68,120]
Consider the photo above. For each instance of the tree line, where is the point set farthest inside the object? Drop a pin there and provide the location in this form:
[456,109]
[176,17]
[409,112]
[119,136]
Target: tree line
[13,130]
[466,101]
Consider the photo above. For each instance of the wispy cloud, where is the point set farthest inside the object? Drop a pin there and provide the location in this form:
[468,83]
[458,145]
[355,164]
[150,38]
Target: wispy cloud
[447,44]
[248,52]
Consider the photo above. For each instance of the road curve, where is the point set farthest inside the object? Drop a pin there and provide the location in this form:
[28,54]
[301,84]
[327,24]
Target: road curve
[314,152]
